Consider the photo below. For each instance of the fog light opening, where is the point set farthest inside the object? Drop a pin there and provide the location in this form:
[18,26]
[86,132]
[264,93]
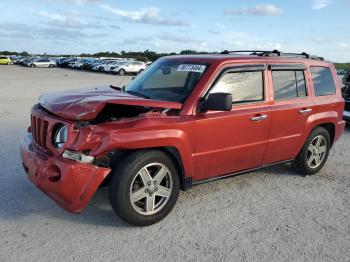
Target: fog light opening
[53,173]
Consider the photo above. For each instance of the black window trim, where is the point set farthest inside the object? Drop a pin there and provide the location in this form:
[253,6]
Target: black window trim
[241,69]
[296,88]
[286,67]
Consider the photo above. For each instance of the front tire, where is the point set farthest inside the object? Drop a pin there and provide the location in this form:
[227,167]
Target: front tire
[144,187]
[314,153]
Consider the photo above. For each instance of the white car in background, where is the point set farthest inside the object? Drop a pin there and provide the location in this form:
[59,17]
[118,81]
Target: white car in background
[100,66]
[127,67]
[108,66]
[42,62]
[77,64]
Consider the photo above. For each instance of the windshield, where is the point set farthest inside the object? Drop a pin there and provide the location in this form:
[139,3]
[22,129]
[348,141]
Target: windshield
[167,80]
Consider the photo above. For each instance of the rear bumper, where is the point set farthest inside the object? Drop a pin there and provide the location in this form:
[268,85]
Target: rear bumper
[339,131]
[69,183]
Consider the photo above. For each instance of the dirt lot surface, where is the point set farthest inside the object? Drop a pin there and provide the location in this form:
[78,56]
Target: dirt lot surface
[268,215]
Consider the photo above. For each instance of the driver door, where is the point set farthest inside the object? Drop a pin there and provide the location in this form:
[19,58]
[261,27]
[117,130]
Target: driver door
[227,142]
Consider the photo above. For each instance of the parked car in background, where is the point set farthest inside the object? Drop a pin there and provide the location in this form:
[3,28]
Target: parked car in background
[129,67]
[189,119]
[42,62]
[341,72]
[16,59]
[4,60]
[100,66]
[107,67]
[87,63]
[76,64]
[28,61]
[90,66]
[65,62]
[346,95]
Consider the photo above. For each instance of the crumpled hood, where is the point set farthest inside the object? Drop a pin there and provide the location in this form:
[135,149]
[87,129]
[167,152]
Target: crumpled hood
[85,104]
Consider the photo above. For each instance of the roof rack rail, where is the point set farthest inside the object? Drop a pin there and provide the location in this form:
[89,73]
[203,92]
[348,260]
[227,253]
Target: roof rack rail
[273,53]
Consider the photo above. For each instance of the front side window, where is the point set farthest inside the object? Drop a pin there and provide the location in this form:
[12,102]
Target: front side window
[288,84]
[169,80]
[244,86]
[323,81]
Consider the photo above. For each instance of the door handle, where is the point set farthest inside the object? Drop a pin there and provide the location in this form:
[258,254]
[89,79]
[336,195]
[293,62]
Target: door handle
[305,111]
[258,117]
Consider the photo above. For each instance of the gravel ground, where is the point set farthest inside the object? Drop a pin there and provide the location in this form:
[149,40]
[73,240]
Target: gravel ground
[268,215]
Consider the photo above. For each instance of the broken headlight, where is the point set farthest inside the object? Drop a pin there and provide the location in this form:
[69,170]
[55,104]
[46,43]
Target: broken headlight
[60,136]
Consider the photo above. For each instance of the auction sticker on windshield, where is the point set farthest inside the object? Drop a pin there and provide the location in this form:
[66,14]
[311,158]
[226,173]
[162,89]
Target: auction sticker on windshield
[191,68]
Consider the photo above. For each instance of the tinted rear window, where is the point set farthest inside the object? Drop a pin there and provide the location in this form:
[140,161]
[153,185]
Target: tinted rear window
[323,81]
[288,84]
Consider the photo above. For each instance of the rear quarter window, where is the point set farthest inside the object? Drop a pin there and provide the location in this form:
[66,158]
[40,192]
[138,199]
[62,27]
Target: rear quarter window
[323,81]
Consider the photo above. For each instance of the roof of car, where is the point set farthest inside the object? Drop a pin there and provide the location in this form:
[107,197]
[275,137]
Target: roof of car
[220,57]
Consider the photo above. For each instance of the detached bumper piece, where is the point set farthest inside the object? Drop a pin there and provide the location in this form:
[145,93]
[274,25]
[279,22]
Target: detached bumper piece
[70,183]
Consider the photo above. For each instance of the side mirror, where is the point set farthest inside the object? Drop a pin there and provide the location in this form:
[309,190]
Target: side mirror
[216,102]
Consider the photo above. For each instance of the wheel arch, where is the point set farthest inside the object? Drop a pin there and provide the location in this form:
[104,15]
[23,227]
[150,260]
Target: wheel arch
[330,127]
[116,156]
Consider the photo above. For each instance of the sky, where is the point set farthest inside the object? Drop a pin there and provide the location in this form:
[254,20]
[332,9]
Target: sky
[320,27]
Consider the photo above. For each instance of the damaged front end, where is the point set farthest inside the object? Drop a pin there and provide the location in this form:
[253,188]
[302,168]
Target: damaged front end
[63,151]
[87,104]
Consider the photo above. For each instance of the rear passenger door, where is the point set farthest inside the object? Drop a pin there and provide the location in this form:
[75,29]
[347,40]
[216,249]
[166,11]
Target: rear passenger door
[290,108]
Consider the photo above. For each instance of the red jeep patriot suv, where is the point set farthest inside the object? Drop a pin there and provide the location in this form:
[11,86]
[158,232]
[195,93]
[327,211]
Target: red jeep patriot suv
[183,121]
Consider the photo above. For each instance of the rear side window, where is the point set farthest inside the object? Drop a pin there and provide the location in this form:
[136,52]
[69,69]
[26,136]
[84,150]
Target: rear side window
[323,81]
[244,86]
[288,84]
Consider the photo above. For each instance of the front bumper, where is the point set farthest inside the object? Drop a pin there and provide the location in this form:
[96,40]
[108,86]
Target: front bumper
[69,183]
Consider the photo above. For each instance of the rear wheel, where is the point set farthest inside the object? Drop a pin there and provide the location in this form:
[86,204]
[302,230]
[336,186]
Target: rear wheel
[121,72]
[315,152]
[50,66]
[144,188]
[32,65]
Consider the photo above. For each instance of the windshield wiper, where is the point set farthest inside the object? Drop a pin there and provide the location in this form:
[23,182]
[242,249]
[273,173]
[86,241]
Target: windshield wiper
[137,94]
[121,89]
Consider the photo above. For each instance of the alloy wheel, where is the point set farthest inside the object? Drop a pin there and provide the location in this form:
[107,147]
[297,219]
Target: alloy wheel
[316,151]
[151,189]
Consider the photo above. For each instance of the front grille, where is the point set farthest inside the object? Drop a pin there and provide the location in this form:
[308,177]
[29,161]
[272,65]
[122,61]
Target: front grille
[39,130]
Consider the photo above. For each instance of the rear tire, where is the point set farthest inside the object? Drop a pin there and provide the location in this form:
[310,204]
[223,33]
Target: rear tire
[32,65]
[314,153]
[121,72]
[153,176]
